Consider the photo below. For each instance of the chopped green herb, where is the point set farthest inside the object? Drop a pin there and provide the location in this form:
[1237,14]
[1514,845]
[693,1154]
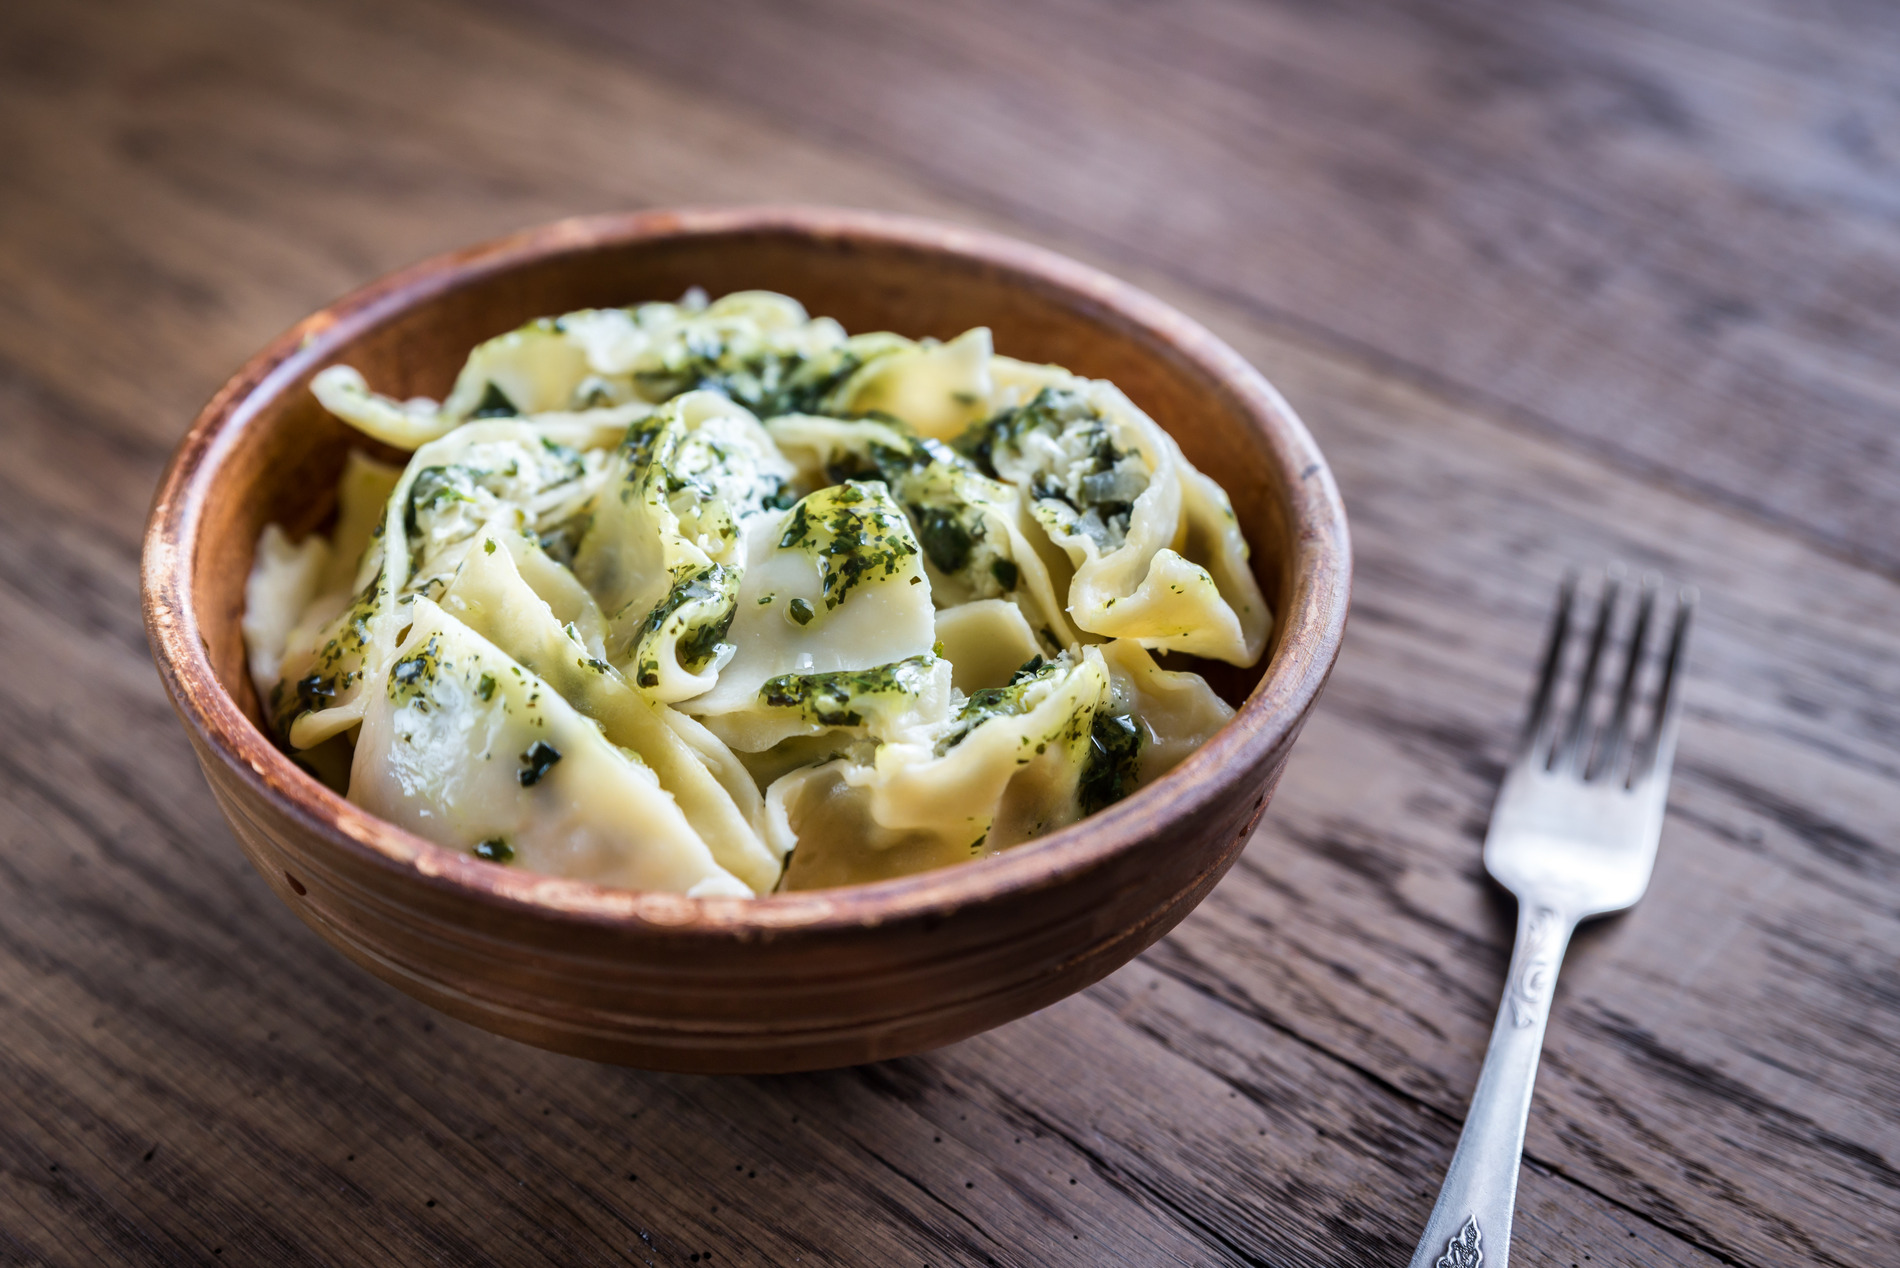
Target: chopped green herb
[701,605]
[495,404]
[946,541]
[1082,469]
[485,687]
[842,698]
[1114,762]
[316,690]
[854,533]
[539,758]
[800,611]
[495,850]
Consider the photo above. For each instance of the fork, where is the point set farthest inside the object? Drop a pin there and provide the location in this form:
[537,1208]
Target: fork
[1573,835]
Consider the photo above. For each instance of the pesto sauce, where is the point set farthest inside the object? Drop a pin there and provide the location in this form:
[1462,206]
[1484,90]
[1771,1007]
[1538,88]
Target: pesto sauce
[928,478]
[990,703]
[843,697]
[853,532]
[1100,481]
[946,541]
[766,381]
[713,589]
[410,677]
[1114,762]
[434,488]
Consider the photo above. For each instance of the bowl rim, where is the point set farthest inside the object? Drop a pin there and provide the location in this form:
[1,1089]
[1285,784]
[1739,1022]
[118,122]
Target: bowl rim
[1270,717]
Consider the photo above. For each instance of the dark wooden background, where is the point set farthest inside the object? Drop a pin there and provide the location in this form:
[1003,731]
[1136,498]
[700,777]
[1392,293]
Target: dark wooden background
[1551,282]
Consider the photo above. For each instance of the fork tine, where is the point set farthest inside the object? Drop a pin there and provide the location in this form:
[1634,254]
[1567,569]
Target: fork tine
[1572,749]
[1536,728]
[1615,746]
[1659,752]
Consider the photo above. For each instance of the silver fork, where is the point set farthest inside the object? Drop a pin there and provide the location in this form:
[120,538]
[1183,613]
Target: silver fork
[1573,835]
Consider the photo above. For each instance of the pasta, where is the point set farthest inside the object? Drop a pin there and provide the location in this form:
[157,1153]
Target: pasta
[715,598]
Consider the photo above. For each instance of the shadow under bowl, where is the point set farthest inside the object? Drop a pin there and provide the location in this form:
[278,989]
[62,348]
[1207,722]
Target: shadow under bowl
[794,981]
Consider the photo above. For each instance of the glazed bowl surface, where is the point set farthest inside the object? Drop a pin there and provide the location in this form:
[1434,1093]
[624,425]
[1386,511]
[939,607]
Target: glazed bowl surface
[792,981]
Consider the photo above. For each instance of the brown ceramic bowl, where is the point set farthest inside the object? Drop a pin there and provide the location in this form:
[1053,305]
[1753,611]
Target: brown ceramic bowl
[789,982]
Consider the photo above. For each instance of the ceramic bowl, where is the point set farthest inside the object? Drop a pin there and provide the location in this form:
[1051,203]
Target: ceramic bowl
[788,982]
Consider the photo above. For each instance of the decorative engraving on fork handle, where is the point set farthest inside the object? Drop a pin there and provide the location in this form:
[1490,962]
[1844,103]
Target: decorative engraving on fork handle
[1462,1251]
[1529,991]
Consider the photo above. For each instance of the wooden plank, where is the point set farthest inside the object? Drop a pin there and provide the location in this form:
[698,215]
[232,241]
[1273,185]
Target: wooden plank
[1745,1002]
[1661,231]
[1720,1076]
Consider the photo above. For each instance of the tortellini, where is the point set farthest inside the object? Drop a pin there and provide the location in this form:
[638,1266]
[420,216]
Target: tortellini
[1152,541]
[712,597]
[465,746]
[665,549]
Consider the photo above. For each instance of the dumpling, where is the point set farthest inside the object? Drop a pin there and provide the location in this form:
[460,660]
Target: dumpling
[284,578]
[464,746]
[453,487]
[664,551]
[834,586]
[1161,715]
[1112,490]
[583,360]
[1011,764]
[547,471]
[938,389]
[986,642]
[294,590]
[978,539]
[760,350]
[509,592]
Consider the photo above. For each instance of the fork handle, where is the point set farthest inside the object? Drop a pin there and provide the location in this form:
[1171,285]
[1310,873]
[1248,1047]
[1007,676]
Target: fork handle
[1471,1222]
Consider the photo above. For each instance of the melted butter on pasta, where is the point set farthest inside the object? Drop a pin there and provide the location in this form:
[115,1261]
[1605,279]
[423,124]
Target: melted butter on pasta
[714,597]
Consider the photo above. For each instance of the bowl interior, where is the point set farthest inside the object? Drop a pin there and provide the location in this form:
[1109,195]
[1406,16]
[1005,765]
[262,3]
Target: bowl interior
[410,336]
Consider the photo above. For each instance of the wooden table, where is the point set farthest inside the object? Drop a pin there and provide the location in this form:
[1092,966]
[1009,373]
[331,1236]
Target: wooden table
[1550,282]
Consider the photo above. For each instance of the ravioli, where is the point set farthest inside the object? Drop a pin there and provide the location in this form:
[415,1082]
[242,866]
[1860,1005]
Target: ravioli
[1010,764]
[664,549]
[1146,533]
[464,746]
[977,537]
[713,597]
[835,587]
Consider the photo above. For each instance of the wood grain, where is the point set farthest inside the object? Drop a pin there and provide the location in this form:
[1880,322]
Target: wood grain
[183,181]
[1661,231]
